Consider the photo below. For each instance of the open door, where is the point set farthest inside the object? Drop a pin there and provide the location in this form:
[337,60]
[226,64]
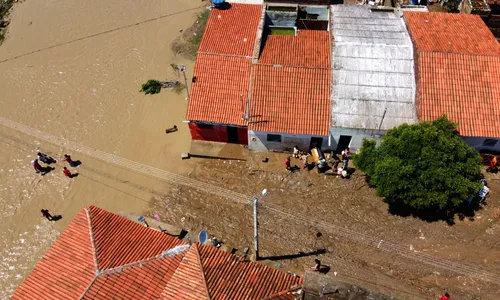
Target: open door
[316,142]
[232,134]
[344,142]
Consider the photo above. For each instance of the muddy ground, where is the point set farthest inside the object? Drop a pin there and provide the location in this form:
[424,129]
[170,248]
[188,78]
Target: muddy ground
[286,242]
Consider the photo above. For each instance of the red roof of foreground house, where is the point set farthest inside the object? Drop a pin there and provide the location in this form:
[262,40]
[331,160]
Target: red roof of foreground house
[104,256]
[445,32]
[232,31]
[290,100]
[220,93]
[464,87]
[310,48]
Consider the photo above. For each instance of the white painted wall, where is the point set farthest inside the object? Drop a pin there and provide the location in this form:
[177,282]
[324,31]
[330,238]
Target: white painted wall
[257,141]
[477,142]
[357,136]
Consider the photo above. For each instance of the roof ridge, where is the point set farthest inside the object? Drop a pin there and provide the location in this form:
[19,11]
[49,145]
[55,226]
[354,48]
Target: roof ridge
[224,55]
[92,239]
[167,253]
[297,289]
[459,53]
[198,256]
[287,66]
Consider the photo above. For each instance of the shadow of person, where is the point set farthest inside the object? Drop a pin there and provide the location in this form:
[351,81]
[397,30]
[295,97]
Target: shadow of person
[73,175]
[324,269]
[75,163]
[56,218]
[45,170]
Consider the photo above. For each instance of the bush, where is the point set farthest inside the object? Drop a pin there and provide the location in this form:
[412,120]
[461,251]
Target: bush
[151,87]
[422,166]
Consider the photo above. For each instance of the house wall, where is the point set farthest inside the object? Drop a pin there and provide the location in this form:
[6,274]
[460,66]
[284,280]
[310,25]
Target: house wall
[257,141]
[357,136]
[218,132]
[478,143]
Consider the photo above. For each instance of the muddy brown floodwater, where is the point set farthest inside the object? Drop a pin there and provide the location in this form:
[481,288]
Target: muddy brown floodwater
[74,68]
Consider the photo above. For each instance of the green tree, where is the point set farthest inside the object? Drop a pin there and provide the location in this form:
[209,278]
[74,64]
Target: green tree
[422,166]
[151,87]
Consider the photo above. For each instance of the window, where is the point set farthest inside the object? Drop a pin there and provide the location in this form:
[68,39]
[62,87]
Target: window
[205,125]
[490,142]
[274,138]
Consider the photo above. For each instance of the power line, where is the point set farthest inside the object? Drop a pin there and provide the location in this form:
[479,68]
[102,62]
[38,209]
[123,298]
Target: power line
[387,246]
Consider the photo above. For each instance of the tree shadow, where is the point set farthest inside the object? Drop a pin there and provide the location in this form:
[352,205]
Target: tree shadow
[434,214]
[293,256]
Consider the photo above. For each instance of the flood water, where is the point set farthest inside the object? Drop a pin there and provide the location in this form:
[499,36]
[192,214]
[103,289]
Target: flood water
[74,69]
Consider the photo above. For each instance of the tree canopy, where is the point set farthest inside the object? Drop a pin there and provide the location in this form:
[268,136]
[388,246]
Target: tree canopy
[422,166]
[151,87]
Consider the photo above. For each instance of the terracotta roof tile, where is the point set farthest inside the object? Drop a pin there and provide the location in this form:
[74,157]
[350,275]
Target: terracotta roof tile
[290,100]
[228,278]
[464,87]
[220,93]
[68,270]
[310,48]
[232,31]
[140,281]
[116,247]
[445,32]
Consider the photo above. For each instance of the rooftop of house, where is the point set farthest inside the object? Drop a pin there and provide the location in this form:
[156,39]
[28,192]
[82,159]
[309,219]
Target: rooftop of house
[291,85]
[458,66]
[232,31]
[372,69]
[105,256]
[464,87]
[310,48]
[220,91]
[456,33]
[290,100]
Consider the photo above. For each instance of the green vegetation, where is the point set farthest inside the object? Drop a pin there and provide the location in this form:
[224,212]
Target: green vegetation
[187,44]
[281,31]
[426,166]
[151,87]
[5,6]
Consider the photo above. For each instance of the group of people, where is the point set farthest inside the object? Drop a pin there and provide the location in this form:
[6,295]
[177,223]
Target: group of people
[48,160]
[303,156]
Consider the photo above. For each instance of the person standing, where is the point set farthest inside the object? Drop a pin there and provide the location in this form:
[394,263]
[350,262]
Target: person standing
[72,163]
[66,172]
[36,165]
[46,214]
[446,296]
[296,151]
[287,163]
[317,265]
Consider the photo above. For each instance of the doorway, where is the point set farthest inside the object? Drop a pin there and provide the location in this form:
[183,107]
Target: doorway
[232,134]
[344,142]
[316,142]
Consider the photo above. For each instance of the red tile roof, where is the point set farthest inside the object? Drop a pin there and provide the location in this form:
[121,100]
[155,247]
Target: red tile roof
[310,48]
[445,32]
[232,31]
[464,87]
[140,263]
[290,100]
[220,93]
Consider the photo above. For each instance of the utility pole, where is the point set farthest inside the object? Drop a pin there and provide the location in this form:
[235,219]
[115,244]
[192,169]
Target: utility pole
[256,223]
[182,68]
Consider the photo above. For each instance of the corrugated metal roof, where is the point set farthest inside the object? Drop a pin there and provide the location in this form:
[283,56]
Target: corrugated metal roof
[464,87]
[372,69]
[444,32]
[69,271]
[224,35]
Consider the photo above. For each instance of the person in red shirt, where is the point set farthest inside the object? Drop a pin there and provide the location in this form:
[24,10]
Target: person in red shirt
[66,172]
[287,163]
[445,297]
